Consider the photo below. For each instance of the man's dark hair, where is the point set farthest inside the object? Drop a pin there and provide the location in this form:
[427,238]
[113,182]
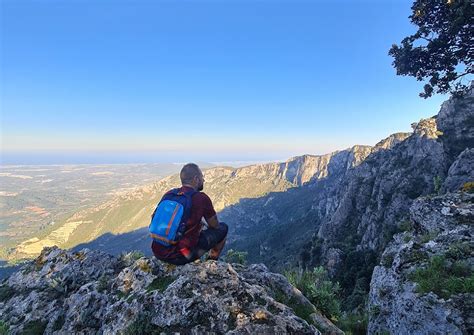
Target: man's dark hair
[188,172]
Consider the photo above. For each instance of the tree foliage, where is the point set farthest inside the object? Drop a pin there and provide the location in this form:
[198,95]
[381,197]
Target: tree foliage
[442,50]
[234,256]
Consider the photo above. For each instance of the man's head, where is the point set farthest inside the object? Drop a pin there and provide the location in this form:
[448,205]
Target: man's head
[191,175]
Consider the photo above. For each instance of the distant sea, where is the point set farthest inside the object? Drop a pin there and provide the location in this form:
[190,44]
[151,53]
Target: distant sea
[65,158]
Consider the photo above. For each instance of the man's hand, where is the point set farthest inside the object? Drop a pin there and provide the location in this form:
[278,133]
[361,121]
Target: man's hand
[213,222]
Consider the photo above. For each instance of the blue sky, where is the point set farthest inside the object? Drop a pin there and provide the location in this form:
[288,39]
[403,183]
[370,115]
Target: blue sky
[201,80]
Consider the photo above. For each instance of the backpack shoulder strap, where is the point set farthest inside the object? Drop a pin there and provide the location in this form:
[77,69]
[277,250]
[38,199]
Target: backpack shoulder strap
[189,202]
[172,192]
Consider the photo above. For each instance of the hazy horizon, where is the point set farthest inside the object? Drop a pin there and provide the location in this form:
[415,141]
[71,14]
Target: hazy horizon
[27,160]
[140,157]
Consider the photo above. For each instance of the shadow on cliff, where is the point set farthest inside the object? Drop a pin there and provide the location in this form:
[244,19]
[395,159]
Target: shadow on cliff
[6,269]
[250,220]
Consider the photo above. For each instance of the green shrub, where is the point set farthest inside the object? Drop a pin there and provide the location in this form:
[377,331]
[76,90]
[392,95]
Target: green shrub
[387,260]
[234,256]
[317,287]
[458,250]
[160,283]
[279,296]
[444,278]
[142,325]
[428,236]
[102,284]
[388,231]
[136,255]
[128,258]
[437,182]
[354,276]
[415,256]
[3,328]
[468,187]
[405,225]
[35,327]
[354,323]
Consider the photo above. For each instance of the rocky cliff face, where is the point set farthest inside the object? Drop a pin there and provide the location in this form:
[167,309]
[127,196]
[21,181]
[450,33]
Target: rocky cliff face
[461,171]
[91,292]
[377,194]
[374,198]
[456,122]
[425,283]
[355,207]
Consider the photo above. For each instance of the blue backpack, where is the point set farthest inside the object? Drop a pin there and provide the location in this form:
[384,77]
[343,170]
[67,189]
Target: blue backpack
[168,221]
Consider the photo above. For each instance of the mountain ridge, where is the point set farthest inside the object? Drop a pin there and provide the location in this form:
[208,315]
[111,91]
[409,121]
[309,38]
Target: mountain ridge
[275,176]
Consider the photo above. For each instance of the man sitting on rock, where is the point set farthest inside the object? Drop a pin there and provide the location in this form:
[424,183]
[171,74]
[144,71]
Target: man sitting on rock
[195,241]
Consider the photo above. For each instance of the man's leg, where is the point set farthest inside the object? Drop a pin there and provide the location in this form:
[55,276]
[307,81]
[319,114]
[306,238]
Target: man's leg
[215,252]
[213,240]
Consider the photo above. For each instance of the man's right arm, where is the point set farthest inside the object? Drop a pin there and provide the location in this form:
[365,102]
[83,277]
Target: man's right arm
[209,213]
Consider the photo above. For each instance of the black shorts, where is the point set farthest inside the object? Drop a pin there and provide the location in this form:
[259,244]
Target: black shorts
[208,239]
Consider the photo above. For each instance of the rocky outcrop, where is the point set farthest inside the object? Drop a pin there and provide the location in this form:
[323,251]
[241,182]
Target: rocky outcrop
[460,172]
[456,123]
[88,292]
[374,196]
[424,284]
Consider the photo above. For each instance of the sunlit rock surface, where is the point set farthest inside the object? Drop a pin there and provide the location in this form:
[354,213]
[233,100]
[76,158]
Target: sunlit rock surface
[91,292]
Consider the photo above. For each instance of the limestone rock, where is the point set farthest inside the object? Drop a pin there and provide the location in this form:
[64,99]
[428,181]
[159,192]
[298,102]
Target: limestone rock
[455,121]
[443,231]
[460,172]
[91,292]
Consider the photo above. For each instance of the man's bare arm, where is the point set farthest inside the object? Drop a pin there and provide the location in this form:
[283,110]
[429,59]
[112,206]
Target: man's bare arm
[213,222]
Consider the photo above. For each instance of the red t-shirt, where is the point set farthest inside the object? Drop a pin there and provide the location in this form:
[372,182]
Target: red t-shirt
[201,207]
